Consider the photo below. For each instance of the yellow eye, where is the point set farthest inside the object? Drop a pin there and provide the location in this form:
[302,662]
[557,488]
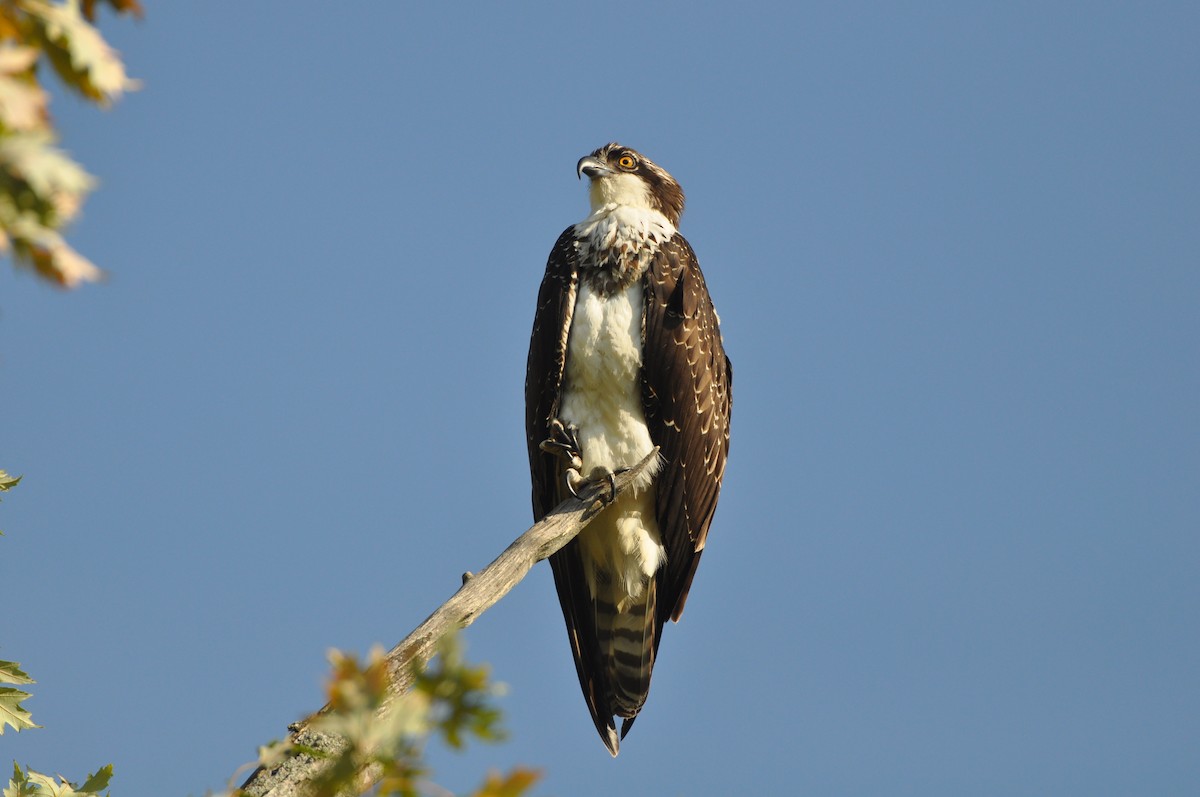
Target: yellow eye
[627,162]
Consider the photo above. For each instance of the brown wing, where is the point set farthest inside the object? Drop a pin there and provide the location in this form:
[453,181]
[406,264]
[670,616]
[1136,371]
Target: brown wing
[543,388]
[544,369]
[687,391]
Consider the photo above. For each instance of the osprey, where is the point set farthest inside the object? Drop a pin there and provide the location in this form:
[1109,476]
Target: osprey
[626,355]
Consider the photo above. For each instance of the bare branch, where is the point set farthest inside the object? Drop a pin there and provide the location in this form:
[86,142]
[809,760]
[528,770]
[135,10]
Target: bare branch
[478,593]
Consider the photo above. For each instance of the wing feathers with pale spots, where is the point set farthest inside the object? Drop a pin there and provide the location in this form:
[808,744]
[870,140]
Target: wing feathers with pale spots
[687,384]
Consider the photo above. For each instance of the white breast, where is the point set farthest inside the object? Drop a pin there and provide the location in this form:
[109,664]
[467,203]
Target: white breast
[602,392]
[602,395]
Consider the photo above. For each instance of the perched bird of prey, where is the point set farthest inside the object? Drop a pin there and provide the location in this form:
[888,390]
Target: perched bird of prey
[626,355]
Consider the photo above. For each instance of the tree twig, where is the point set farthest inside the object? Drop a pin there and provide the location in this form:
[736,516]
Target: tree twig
[478,593]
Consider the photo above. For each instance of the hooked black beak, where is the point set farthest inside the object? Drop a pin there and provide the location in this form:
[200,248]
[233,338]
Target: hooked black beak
[592,166]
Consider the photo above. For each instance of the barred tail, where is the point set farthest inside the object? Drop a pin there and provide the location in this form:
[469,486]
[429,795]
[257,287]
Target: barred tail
[626,629]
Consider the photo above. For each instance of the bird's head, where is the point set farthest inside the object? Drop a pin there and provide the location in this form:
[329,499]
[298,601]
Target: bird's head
[622,176]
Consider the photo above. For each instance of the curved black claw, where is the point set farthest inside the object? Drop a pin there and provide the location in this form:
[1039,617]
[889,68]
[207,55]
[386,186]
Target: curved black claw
[575,480]
[610,495]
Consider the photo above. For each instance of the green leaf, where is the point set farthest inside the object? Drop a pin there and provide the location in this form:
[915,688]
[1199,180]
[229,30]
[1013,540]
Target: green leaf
[17,785]
[388,734]
[463,695]
[12,712]
[10,671]
[34,784]
[97,782]
[8,482]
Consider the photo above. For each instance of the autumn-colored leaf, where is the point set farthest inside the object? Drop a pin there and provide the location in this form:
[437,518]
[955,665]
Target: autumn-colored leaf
[41,188]
[59,184]
[63,265]
[77,51]
[120,6]
[22,100]
[10,30]
[514,784]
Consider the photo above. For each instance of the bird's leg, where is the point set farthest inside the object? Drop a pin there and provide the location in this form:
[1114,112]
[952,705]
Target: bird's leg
[564,444]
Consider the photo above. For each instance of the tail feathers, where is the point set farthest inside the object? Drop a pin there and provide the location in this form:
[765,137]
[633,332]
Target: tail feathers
[610,738]
[626,629]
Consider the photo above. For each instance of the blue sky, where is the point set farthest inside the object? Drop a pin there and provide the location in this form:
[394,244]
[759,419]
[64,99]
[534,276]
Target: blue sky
[954,249]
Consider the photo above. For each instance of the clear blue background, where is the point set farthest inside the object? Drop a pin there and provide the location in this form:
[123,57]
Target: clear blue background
[956,252]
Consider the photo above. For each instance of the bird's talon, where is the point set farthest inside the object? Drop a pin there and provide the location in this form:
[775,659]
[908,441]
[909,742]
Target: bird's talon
[601,490]
[605,500]
[563,443]
[575,480]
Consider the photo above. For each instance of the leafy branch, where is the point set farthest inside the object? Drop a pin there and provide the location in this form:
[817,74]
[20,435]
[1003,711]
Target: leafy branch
[12,713]
[28,783]
[41,188]
[382,736]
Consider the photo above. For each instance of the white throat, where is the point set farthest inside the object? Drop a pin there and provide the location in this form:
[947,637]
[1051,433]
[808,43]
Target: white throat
[620,189]
[622,210]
